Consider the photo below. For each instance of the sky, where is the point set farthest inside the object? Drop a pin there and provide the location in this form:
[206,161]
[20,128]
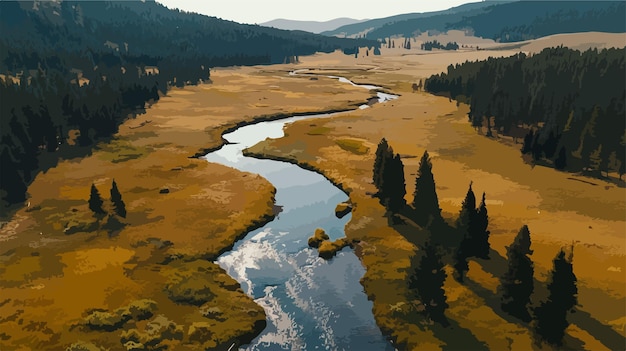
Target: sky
[259,11]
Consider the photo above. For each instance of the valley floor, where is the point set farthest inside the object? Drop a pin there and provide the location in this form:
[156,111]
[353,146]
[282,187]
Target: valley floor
[561,210]
[54,284]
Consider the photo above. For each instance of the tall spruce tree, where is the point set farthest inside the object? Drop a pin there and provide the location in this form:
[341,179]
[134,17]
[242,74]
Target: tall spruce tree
[459,262]
[551,315]
[561,161]
[383,151]
[95,201]
[116,198]
[393,187]
[480,237]
[427,279]
[516,285]
[425,201]
[466,222]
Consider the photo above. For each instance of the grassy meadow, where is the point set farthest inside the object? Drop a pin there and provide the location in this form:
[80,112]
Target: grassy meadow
[69,278]
[561,210]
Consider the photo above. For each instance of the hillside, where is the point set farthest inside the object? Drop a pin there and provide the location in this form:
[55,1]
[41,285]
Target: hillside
[310,26]
[89,64]
[501,21]
[364,28]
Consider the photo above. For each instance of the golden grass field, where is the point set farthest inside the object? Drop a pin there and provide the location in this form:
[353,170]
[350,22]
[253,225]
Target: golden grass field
[153,282]
[561,209]
[51,280]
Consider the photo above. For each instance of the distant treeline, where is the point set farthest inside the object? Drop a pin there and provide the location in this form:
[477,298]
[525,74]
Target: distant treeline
[77,65]
[430,45]
[511,21]
[568,105]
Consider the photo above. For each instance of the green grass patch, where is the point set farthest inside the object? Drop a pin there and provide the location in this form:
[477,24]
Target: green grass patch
[318,131]
[353,146]
[118,151]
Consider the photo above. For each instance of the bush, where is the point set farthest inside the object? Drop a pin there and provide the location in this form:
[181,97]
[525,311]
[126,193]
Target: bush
[83,346]
[160,329]
[190,290]
[103,320]
[141,309]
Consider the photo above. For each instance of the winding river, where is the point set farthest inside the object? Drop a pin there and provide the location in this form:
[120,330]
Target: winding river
[310,303]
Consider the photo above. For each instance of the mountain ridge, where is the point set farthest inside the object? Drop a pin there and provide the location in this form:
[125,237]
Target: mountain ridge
[316,27]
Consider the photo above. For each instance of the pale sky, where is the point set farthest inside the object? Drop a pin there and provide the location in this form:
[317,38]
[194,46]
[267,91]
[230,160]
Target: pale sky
[259,11]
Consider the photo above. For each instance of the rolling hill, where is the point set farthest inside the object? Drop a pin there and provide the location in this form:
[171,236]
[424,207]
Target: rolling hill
[311,26]
[500,21]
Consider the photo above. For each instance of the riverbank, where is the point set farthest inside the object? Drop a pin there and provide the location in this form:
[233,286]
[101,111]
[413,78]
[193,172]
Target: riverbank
[557,210]
[182,213]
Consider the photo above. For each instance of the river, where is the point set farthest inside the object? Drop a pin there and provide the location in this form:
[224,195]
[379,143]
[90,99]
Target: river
[310,303]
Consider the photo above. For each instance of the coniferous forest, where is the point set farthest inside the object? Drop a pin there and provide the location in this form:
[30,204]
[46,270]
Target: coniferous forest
[440,244]
[567,105]
[84,66]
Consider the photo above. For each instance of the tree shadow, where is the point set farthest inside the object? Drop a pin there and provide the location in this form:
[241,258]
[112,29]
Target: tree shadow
[457,337]
[604,333]
[497,266]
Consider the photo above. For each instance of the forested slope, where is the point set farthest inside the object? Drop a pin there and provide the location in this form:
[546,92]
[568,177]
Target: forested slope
[84,65]
[569,104]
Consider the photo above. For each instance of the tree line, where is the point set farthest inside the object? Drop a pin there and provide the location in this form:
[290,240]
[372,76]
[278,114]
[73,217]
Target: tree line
[469,238]
[568,105]
[76,65]
[434,44]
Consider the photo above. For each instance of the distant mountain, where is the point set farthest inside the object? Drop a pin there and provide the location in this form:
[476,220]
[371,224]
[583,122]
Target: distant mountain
[310,26]
[504,21]
[359,29]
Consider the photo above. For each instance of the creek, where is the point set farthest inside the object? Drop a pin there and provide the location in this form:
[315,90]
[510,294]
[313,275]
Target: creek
[310,303]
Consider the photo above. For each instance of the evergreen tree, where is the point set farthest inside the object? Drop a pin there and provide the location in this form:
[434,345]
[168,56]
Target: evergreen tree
[459,263]
[466,222]
[551,315]
[95,201]
[517,284]
[393,187]
[425,201]
[595,160]
[383,152]
[14,189]
[116,198]
[561,161]
[480,238]
[427,279]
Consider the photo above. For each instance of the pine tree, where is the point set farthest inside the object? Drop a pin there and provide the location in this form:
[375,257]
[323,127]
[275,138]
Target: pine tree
[427,280]
[460,264]
[393,187]
[595,160]
[95,201]
[561,161]
[116,198]
[551,315]
[528,141]
[517,284]
[383,152]
[425,199]
[466,222]
[480,238]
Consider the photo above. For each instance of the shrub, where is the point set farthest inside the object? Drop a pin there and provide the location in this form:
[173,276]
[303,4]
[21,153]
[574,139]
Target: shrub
[83,346]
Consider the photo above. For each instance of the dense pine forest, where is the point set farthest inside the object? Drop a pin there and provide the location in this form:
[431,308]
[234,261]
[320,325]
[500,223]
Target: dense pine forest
[566,104]
[505,21]
[84,66]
